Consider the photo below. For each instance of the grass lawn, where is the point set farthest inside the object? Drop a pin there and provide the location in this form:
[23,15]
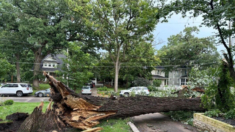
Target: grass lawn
[19,107]
[112,125]
[108,91]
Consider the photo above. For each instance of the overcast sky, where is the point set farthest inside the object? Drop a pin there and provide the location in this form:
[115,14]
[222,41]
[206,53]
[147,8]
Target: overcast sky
[176,24]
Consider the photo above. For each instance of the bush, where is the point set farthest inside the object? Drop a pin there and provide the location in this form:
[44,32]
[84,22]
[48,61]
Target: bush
[157,83]
[180,115]
[8,102]
[213,113]
[103,89]
[152,88]
[230,114]
[141,82]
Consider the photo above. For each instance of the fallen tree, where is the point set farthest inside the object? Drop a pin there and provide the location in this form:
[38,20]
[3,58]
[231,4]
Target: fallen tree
[84,112]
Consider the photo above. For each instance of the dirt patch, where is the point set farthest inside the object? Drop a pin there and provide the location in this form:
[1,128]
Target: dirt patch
[228,121]
[13,122]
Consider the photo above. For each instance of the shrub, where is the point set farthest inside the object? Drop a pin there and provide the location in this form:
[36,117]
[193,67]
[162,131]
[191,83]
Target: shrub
[219,96]
[103,89]
[180,115]
[141,82]
[230,114]
[8,102]
[213,113]
[152,88]
[157,83]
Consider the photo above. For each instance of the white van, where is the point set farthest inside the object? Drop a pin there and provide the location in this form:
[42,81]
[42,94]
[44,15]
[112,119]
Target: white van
[19,89]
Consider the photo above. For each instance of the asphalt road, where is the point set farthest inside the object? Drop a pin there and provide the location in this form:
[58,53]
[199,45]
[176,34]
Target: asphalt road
[31,98]
[25,99]
[158,122]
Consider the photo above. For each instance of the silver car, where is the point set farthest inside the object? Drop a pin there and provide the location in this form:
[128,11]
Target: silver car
[86,90]
[43,93]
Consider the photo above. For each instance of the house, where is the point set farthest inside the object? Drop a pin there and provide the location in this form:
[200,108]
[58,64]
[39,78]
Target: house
[179,76]
[52,63]
[159,74]
[176,77]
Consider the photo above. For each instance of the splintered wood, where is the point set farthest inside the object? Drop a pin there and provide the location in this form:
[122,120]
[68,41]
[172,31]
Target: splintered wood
[75,111]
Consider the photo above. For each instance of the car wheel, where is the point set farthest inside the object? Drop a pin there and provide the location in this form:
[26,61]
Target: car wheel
[126,94]
[40,95]
[19,94]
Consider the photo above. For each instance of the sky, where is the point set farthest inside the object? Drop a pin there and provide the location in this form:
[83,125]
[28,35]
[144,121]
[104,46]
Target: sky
[176,24]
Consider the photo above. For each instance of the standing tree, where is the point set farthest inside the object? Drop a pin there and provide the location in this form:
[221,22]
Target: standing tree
[77,67]
[216,14]
[5,67]
[12,42]
[122,25]
[186,49]
[46,27]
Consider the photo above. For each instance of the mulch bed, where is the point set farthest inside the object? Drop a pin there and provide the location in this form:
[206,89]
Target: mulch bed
[228,121]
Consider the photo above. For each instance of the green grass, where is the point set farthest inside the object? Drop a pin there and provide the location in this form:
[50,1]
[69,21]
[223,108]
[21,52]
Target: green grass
[112,125]
[115,125]
[42,86]
[19,107]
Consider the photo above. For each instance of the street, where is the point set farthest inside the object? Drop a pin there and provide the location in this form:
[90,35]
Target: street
[158,122]
[25,99]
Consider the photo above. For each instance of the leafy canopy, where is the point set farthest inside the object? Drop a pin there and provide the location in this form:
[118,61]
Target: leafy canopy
[77,67]
[185,49]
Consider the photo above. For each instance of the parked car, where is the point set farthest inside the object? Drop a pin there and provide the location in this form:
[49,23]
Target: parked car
[91,84]
[86,90]
[19,89]
[135,90]
[43,93]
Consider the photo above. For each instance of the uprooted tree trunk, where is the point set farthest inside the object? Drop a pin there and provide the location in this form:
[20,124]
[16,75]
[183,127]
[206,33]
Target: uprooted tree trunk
[84,112]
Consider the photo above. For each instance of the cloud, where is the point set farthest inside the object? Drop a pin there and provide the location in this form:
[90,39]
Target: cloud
[176,24]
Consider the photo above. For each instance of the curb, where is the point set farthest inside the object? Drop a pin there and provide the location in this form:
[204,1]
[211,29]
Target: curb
[133,127]
[203,122]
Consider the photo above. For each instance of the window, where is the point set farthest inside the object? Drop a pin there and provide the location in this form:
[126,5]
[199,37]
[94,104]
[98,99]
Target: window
[49,65]
[184,81]
[14,85]
[23,85]
[7,85]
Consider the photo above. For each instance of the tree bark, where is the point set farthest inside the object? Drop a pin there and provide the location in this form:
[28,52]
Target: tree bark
[18,68]
[37,63]
[117,67]
[84,112]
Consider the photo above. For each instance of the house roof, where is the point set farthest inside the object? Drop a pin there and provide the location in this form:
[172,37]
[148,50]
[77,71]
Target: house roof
[58,58]
[184,76]
[159,77]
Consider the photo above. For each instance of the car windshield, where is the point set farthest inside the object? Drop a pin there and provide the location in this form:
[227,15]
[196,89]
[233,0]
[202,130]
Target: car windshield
[85,87]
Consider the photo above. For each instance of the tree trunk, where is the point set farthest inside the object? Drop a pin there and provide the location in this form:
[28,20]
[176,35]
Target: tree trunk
[37,63]
[84,112]
[117,67]
[18,68]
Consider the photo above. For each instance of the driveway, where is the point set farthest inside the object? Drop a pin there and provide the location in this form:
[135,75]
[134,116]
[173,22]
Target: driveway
[157,122]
